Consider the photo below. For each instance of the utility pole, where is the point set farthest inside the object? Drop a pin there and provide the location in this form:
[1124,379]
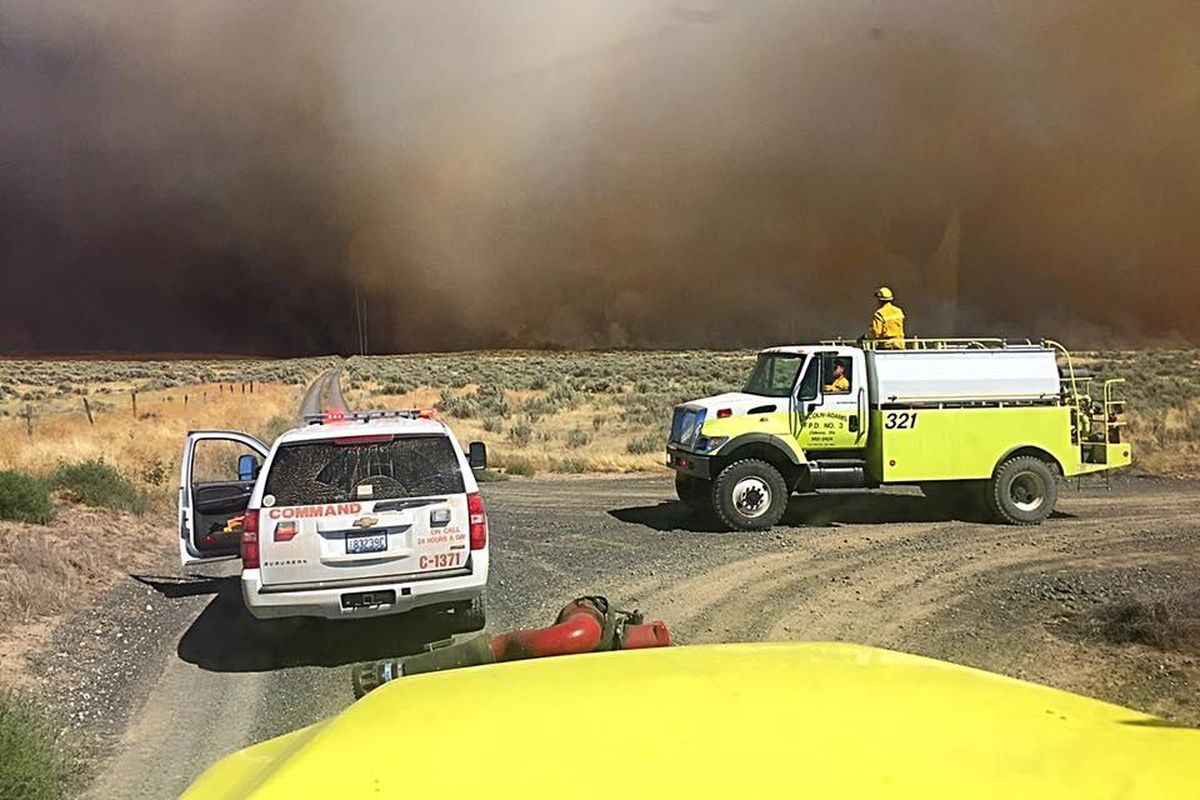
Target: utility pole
[359,310]
[366,326]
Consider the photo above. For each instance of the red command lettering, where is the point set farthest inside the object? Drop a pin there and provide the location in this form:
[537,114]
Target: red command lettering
[304,512]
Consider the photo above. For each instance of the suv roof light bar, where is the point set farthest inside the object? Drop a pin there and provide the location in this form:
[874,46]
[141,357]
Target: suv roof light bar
[325,417]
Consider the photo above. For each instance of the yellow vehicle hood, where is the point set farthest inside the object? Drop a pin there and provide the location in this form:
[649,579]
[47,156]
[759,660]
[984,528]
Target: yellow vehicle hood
[737,721]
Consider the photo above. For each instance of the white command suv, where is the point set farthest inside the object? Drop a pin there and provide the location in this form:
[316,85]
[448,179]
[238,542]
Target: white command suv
[353,515]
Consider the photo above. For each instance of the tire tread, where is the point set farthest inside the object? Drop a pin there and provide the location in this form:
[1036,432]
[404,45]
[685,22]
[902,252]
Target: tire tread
[997,487]
[735,472]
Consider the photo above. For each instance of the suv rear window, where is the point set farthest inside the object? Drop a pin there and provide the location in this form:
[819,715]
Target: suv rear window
[310,473]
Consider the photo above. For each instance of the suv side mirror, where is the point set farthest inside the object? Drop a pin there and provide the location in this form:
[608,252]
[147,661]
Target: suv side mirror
[247,467]
[477,455]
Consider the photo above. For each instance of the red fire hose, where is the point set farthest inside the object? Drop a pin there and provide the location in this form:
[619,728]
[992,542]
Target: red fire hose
[585,625]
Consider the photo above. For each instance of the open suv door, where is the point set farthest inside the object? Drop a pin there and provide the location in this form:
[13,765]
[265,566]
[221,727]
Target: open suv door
[206,506]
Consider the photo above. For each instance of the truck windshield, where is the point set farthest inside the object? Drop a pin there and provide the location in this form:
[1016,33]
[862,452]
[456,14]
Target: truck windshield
[774,374]
[311,473]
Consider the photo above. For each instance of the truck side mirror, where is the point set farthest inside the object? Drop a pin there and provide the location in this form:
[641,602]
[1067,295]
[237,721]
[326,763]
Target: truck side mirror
[810,384]
[248,467]
[477,455]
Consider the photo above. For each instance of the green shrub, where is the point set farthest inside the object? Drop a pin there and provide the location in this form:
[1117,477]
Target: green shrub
[646,443]
[571,464]
[95,483]
[577,437]
[154,473]
[521,434]
[515,465]
[599,421]
[489,476]
[463,407]
[31,766]
[275,427]
[493,424]
[24,498]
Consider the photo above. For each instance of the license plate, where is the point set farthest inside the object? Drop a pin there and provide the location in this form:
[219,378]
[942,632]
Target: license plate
[366,543]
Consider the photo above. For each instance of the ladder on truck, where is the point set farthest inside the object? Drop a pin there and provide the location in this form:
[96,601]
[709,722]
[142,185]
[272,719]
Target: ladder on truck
[917,343]
[1104,420]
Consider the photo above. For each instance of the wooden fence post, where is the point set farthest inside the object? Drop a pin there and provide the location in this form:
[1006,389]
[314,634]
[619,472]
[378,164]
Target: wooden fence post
[28,415]
[87,409]
[133,403]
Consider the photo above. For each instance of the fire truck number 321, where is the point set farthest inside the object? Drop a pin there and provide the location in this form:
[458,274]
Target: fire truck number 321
[902,419]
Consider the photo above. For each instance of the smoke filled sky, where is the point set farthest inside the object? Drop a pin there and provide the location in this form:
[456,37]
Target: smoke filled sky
[223,176]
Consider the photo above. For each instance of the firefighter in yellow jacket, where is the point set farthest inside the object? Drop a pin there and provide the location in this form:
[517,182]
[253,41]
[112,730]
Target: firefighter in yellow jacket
[887,326]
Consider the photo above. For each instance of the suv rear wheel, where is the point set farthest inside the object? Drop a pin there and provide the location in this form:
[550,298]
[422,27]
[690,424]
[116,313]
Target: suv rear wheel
[465,616]
[1023,491]
[749,495]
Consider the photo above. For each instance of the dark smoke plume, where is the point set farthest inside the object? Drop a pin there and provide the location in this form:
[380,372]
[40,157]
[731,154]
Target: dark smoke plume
[225,176]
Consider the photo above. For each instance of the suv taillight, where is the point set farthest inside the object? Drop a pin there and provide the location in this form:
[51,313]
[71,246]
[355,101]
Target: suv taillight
[250,539]
[478,519]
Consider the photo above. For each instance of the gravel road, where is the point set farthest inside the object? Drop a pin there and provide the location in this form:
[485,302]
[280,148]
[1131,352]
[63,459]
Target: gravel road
[324,394]
[170,672]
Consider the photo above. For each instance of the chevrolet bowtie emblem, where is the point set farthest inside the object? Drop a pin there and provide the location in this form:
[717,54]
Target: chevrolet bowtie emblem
[366,522]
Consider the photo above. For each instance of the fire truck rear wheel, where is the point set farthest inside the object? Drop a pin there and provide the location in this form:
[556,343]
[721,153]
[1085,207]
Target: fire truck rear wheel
[1023,491]
[749,495]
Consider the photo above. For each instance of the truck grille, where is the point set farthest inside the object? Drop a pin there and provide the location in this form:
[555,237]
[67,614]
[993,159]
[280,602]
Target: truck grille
[683,425]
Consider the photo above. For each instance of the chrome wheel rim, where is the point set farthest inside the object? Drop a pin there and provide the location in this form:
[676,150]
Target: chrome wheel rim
[751,497]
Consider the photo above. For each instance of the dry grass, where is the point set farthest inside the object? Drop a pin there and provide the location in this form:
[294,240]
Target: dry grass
[566,412]
[146,450]
[560,412]
[45,570]
[1170,622]
[1163,413]
[548,448]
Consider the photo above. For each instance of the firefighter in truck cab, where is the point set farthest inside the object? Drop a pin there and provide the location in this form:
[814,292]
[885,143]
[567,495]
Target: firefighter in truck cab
[887,325]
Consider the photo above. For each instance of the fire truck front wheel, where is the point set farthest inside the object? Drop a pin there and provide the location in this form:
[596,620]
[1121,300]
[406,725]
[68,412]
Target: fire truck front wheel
[749,495]
[1023,491]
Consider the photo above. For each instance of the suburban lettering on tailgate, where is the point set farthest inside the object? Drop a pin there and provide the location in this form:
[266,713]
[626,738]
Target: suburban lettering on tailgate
[303,512]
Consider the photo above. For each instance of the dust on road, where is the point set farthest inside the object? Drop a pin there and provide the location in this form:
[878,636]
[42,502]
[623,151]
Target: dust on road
[884,569]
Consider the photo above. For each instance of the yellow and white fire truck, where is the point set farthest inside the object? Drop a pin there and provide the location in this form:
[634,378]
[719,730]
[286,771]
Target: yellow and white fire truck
[986,422]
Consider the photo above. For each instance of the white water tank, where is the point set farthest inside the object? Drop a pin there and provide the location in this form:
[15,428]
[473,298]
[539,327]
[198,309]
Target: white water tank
[1025,373]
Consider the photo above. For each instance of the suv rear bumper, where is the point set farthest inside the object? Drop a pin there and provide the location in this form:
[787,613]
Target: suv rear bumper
[687,463]
[275,602]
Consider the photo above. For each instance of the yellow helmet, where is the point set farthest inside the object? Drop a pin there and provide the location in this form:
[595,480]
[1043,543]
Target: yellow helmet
[883,294]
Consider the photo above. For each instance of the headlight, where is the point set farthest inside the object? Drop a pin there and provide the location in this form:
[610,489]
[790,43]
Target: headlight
[707,444]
